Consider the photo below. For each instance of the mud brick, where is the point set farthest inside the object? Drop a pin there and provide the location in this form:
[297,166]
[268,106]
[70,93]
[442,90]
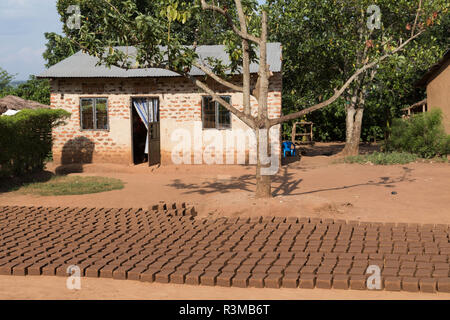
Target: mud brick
[443,285]
[209,278]
[324,281]
[360,263]
[390,272]
[409,265]
[423,258]
[62,270]
[240,280]
[275,270]
[428,285]
[214,267]
[358,282]
[307,281]
[120,273]
[193,277]
[440,274]
[21,269]
[441,266]
[178,276]
[308,270]
[135,273]
[341,270]
[36,269]
[392,264]
[164,275]
[325,269]
[199,267]
[410,284]
[224,279]
[354,271]
[259,269]
[273,280]
[290,280]
[439,258]
[186,266]
[408,272]
[340,281]
[107,271]
[7,268]
[149,275]
[425,265]
[50,269]
[423,273]
[256,280]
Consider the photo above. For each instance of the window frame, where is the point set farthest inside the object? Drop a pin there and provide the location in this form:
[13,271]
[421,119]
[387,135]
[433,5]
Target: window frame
[217,105]
[94,113]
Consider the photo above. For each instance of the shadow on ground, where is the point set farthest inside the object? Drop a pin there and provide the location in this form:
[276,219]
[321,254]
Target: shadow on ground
[283,184]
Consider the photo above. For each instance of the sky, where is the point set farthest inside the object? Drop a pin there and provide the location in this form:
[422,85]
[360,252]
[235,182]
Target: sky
[22,27]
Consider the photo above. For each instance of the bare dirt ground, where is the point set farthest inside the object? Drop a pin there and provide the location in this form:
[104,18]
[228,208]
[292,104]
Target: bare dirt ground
[315,186]
[43,287]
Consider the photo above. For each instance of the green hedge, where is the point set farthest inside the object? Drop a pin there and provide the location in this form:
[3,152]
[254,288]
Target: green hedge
[26,140]
[422,134]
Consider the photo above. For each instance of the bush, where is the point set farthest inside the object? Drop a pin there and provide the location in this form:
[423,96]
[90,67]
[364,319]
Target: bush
[422,134]
[26,140]
[382,158]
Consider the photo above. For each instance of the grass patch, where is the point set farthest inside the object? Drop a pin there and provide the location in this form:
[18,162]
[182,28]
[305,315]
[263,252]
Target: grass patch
[72,185]
[382,158]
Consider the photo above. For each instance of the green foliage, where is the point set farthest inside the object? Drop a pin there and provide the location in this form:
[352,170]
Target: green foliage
[26,140]
[34,89]
[422,134]
[149,24]
[5,78]
[320,46]
[65,185]
[382,158]
[58,48]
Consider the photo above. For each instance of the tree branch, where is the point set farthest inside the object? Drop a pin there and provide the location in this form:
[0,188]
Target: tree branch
[243,35]
[247,119]
[245,60]
[212,75]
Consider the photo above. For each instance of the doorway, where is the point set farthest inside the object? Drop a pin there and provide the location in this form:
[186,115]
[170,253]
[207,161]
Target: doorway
[145,131]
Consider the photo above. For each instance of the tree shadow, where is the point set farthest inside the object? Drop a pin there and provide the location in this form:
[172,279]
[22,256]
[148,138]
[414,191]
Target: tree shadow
[75,153]
[284,184]
[387,182]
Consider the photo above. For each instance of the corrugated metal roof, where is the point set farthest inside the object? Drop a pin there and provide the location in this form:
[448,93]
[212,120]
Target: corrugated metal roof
[82,65]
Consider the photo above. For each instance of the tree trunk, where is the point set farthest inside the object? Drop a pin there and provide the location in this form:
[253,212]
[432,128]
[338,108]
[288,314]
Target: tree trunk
[353,130]
[263,182]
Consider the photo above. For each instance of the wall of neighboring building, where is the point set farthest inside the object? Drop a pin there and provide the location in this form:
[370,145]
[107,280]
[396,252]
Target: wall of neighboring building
[438,94]
[180,108]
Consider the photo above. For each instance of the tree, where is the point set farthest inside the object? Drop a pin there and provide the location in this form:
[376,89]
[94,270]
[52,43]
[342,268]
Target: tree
[5,78]
[326,42]
[34,89]
[57,48]
[113,22]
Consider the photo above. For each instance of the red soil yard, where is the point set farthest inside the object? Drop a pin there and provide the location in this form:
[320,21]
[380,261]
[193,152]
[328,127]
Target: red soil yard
[315,187]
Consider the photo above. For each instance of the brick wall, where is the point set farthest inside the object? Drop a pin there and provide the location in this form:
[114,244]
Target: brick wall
[180,108]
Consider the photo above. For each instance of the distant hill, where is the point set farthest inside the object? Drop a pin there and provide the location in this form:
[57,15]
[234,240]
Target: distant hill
[17,83]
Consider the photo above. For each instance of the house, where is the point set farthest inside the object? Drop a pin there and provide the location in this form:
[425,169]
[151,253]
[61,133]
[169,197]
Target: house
[111,109]
[437,83]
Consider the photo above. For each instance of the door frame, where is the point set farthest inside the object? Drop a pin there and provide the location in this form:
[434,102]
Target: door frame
[131,120]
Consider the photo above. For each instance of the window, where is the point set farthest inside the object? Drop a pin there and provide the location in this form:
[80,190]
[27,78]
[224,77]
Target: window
[214,115]
[94,113]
